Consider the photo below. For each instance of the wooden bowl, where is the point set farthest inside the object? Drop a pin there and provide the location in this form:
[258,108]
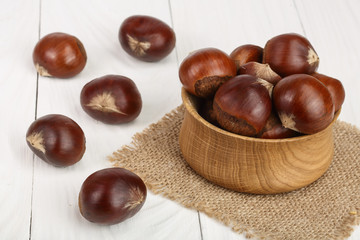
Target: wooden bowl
[252,165]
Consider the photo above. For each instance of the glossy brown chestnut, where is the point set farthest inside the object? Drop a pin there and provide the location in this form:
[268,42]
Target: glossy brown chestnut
[111,99]
[335,88]
[59,55]
[203,71]
[260,70]
[242,105]
[275,130]
[289,54]
[111,195]
[303,103]
[247,53]
[56,139]
[146,38]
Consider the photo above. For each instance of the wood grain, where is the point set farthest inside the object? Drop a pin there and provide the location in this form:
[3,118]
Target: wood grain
[245,164]
[18,96]
[330,25]
[55,208]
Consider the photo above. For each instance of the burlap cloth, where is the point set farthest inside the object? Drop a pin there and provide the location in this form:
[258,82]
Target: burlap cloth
[326,209]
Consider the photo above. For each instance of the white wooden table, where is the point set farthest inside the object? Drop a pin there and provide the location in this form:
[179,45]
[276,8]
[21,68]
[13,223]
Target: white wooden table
[39,201]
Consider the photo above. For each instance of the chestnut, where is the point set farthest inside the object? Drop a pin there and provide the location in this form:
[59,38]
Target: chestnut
[56,139]
[335,88]
[203,71]
[59,55]
[111,195]
[260,70]
[303,103]
[242,105]
[289,54]
[275,130]
[246,53]
[111,99]
[146,38]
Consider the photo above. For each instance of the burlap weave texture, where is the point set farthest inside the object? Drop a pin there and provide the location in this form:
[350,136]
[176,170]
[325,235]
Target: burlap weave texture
[326,209]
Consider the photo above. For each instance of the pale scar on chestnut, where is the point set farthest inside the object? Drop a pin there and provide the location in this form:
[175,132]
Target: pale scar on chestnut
[136,197]
[139,48]
[42,71]
[266,84]
[266,72]
[312,57]
[207,86]
[37,141]
[104,102]
[288,121]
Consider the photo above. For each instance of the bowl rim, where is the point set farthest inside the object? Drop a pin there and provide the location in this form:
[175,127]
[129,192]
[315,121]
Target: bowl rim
[185,95]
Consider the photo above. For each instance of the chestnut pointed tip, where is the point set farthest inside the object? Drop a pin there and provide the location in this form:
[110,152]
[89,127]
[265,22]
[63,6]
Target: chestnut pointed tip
[136,198]
[139,48]
[260,70]
[104,102]
[288,121]
[269,86]
[42,71]
[312,58]
[36,140]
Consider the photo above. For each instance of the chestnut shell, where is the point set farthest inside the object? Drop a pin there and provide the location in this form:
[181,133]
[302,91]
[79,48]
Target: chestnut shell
[260,70]
[56,139]
[112,99]
[59,55]
[203,71]
[146,38]
[335,88]
[242,105]
[247,53]
[303,103]
[289,54]
[275,130]
[111,195]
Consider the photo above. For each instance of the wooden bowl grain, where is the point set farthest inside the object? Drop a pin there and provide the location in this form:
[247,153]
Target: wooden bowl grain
[252,165]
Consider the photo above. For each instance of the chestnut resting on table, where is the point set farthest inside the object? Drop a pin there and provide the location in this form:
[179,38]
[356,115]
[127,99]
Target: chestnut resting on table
[59,55]
[111,195]
[56,139]
[146,38]
[112,99]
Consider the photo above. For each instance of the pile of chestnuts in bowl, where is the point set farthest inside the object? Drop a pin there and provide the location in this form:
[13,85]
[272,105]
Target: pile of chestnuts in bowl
[110,195]
[270,92]
[259,111]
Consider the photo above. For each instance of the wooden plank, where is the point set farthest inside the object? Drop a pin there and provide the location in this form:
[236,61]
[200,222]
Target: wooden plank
[55,210]
[18,21]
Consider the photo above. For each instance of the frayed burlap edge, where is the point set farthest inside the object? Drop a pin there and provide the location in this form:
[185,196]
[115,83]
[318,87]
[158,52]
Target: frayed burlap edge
[119,159]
